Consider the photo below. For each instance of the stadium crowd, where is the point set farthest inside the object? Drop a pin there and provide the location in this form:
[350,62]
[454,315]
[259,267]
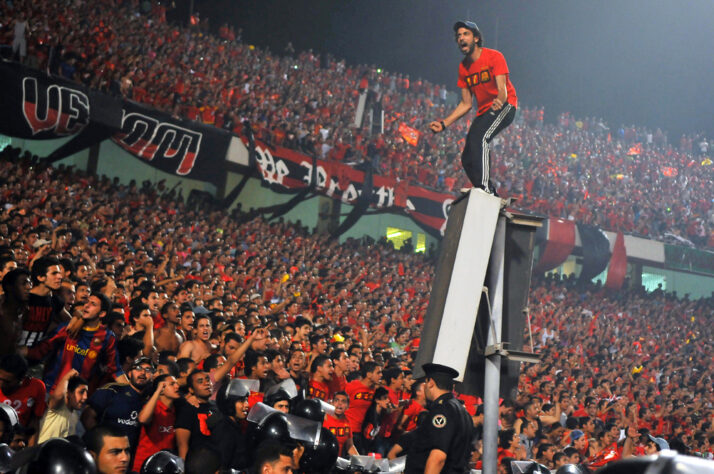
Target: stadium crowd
[126,312]
[133,308]
[629,179]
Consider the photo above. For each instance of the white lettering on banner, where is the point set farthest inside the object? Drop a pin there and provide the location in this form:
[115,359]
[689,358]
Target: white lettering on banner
[273,170]
[334,186]
[321,175]
[350,194]
[386,197]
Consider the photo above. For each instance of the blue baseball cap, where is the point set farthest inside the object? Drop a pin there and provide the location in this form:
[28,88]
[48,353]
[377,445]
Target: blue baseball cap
[469,25]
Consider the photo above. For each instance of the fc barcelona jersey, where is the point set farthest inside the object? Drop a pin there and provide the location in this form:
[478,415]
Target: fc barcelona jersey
[89,353]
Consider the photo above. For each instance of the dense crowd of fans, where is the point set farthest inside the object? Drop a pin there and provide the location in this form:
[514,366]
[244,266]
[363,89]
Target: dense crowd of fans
[629,179]
[133,308]
[126,311]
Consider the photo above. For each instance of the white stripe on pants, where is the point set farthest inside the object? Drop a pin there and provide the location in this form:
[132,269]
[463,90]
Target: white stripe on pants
[485,152]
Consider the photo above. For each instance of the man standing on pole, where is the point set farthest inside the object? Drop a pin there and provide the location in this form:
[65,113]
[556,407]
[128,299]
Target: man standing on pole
[483,74]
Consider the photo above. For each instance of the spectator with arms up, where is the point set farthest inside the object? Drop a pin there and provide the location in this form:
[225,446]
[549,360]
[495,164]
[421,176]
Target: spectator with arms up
[91,353]
[66,401]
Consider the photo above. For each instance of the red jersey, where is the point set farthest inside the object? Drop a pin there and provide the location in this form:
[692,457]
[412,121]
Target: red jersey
[340,427]
[337,384]
[27,400]
[254,398]
[319,390]
[504,453]
[360,399]
[479,77]
[390,420]
[411,413]
[157,436]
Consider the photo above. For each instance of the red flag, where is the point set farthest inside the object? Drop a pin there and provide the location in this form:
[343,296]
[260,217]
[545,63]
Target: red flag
[559,244]
[635,150]
[591,329]
[618,264]
[669,171]
[409,134]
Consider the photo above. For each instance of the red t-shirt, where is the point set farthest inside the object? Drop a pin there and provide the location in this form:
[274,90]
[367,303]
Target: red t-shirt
[254,398]
[504,453]
[157,436]
[390,421]
[337,384]
[340,427]
[411,412]
[480,78]
[27,400]
[360,399]
[319,390]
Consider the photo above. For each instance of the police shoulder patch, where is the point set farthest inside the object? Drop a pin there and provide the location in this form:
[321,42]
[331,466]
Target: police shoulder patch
[439,421]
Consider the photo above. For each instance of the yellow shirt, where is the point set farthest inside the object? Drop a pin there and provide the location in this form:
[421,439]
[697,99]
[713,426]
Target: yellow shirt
[58,423]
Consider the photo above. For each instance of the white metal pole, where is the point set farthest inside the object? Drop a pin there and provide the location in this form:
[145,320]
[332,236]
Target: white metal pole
[492,372]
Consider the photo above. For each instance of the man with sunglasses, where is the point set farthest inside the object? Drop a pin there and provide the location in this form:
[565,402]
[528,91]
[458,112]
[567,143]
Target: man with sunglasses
[483,75]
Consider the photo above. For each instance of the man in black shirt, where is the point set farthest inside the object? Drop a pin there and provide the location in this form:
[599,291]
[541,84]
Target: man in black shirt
[13,308]
[191,426]
[118,404]
[46,309]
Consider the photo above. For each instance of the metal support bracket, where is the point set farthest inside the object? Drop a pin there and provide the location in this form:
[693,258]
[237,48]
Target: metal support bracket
[510,354]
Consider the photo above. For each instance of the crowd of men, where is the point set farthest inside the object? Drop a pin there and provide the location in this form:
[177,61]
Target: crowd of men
[124,306]
[626,178]
[126,312]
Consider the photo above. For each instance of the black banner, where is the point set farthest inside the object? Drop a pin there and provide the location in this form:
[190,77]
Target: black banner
[596,251]
[41,107]
[178,147]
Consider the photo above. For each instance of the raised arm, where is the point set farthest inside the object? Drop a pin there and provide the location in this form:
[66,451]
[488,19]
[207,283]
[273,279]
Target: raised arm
[148,324]
[462,109]
[147,412]
[57,396]
[233,359]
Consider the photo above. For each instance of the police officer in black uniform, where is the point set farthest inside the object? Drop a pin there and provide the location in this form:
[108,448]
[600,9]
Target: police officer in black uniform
[443,440]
